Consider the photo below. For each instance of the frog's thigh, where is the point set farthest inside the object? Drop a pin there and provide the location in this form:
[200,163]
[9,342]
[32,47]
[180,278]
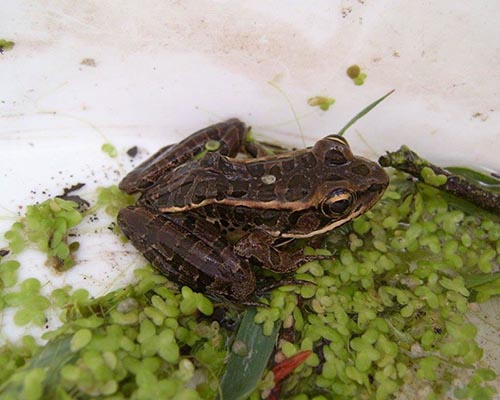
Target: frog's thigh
[230,134]
[257,246]
[178,247]
[137,224]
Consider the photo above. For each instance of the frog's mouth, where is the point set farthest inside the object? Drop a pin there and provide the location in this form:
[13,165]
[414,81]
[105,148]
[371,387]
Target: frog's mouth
[366,200]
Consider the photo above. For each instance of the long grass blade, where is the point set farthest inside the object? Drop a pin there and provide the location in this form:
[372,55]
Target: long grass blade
[243,372]
[363,112]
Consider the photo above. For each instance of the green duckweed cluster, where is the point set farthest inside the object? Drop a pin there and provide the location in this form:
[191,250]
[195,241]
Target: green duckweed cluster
[112,200]
[6,45]
[323,102]
[142,342]
[110,150]
[354,72]
[47,225]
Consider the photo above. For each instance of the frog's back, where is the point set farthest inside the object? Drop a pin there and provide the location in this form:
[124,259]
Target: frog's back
[267,183]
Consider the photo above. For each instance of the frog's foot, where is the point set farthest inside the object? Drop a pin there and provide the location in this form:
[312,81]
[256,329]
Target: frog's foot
[262,149]
[257,247]
[317,257]
[230,136]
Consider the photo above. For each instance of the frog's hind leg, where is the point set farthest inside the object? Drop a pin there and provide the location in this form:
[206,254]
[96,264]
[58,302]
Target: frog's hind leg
[189,251]
[229,134]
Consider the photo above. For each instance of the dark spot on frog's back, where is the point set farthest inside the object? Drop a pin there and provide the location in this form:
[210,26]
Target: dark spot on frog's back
[237,189]
[255,169]
[270,215]
[275,171]
[307,160]
[288,165]
[298,188]
[178,199]
[361,169]
[240,213]
[267,193]
[334,178]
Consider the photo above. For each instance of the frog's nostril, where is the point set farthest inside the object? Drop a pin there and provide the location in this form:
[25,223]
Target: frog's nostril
[361,169]
[335,157]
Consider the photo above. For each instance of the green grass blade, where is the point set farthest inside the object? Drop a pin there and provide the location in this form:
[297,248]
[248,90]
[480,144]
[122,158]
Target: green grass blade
[52,357]
[487,181]
[363,112]
[472,281]
[243,373]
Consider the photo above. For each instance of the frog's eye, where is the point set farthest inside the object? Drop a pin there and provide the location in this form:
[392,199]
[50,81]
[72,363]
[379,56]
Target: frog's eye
[333,150]
[338,203]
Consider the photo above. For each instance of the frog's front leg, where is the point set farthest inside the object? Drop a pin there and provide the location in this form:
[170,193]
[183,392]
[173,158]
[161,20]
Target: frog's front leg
[258,248]
[230,135]
[189,251]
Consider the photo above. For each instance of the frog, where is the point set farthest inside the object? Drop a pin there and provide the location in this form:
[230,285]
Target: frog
[207,219]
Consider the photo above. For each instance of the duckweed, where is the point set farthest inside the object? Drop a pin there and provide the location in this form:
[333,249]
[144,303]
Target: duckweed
[112,199]
[6,45]
[213,145]
[109,149]
[354,72]
[47,226]
[8,273]
[323,102]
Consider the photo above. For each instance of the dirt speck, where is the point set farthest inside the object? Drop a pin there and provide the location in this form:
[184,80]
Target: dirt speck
[479,115]
[346,11]
[132,152]
[89,62]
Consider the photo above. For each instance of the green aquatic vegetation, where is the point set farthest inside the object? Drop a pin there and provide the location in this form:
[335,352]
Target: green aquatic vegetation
[95,353]
[244,370]
[30,304]
[323,102]
[360,79]
[109,149]
[212,145]
[8,273]
[47,225]
[363,112]
[477,387]
[472,186]
[354,72]
[112,199]
[429,176]
[6,45]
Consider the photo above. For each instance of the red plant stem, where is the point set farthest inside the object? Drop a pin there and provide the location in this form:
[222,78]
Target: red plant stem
[286,367]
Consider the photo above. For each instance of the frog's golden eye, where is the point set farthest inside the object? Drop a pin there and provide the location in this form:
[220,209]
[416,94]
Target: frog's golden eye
[338,203]
[333,150]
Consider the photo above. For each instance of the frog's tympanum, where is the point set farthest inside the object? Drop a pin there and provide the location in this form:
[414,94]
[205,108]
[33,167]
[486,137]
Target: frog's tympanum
[204,221]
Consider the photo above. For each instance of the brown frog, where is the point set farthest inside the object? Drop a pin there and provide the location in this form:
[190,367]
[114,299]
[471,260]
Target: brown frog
[203,221]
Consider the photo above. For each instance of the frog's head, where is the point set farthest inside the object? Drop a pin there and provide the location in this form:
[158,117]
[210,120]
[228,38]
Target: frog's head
[352,184]
[347,186]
